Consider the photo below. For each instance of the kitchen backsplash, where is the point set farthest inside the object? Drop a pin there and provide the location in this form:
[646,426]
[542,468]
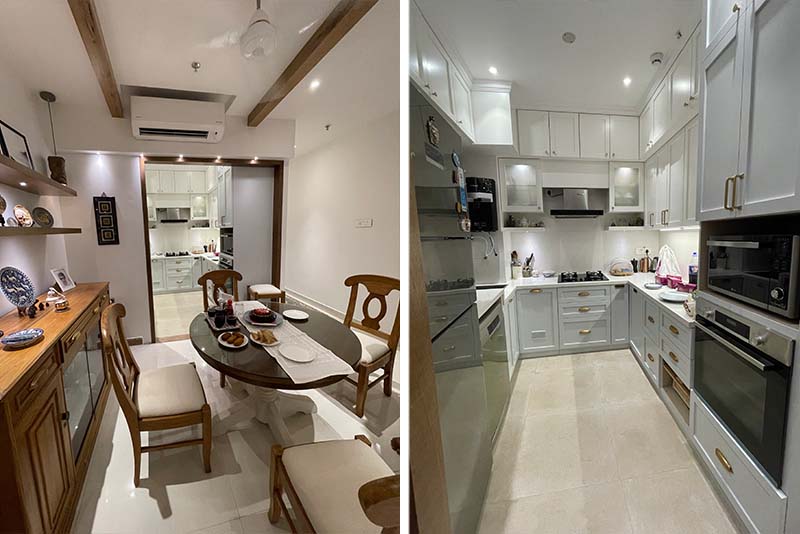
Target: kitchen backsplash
[178,237]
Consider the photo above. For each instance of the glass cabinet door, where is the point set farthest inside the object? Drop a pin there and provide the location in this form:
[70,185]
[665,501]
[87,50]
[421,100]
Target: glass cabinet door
[78,394]
[94,355]
[521,185]
[626,187]
[199,207]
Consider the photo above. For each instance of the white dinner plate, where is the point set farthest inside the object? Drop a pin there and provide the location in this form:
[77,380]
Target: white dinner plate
[228,345]
[295,315]
[257,342]
[296,353]
[674,296]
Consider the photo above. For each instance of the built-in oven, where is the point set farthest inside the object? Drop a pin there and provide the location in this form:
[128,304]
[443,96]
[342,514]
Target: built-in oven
[742,371]
[761,270]
[226,241]
[481,197]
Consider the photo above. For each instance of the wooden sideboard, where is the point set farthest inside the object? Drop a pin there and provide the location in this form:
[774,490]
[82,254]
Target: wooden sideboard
[52,398]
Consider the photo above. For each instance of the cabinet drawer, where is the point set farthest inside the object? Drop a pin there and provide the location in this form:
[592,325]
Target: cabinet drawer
[179,263]
[650,358]
[578,310]
[678,359]
[583,294]
[179,281]
[760,505]
[652,319]
[181,270]
[458,347]
[33,383]
[676,332]
[442,309]
[584,333]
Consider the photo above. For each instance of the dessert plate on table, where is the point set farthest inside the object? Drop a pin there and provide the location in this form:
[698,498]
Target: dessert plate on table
[295,315]
[275,322]
[296,353]
[254,337]
[674,296]
[231,345]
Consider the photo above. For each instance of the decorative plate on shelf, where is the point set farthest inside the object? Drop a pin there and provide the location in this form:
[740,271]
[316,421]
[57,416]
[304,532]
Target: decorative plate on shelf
[42,217]
[11,222]
[23,216]
[2,204]
[17,287]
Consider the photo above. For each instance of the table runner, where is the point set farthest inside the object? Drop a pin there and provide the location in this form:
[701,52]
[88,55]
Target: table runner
[325,364]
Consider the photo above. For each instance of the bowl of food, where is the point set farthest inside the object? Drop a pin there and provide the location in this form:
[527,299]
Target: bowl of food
[263,316]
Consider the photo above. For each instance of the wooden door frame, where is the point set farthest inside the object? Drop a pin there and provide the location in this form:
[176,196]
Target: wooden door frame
[277,210]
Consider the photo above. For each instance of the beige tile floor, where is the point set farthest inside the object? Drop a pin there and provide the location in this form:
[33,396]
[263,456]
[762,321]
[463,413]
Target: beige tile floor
[176,496]
[174,312]
[588,447]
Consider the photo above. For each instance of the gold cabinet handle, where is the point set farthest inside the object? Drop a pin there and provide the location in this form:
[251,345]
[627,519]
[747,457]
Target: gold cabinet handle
[584,309]
[536,291]
[584,332]
[449,348]
[725,193]
[650,318]
[724,461]
[672,355]
[95,310]
[650,357]
[674,329]
[584,294]
[735,179]
[735,8]
[651,218]
[74,337]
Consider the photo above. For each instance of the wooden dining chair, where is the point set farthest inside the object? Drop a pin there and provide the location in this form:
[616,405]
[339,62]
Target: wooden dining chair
[375,353]
[218,280]
[160,399]
[334,487]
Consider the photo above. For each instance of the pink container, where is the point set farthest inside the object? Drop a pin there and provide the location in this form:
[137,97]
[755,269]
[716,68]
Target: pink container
[661,280]
[673,281]
[686,287]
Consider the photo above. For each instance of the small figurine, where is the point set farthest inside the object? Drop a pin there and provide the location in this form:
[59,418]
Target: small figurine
[2,220]
[41,306]
[32,311]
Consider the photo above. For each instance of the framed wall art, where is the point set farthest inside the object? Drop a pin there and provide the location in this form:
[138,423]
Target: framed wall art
[105,219]
[14,145]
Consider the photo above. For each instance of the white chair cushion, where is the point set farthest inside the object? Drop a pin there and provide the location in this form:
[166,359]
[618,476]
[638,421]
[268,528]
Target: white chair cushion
[265,289]
[326,476]
[169,391]
[371,348]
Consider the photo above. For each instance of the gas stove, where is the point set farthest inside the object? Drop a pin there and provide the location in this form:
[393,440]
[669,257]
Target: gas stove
[173,254]
[587,276]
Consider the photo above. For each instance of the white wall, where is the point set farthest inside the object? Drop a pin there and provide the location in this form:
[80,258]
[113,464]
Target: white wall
[177,237]
[123,265]
[356,176]
[34,255]
[252,228]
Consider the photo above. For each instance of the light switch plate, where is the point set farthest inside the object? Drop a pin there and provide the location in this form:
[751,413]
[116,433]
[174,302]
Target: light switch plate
[363,223]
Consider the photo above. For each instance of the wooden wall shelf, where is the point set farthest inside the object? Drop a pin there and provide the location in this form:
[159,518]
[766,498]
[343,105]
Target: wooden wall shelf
[12,173]
[17,230]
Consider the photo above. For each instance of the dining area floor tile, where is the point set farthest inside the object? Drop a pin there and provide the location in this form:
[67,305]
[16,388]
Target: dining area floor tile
[175,495]
[590,448]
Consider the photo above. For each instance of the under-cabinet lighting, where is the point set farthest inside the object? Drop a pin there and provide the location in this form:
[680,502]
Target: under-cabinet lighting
[680,228]
[24,184]
[626,81]
[255,158]
[219,159]
[180,157]
[493,71]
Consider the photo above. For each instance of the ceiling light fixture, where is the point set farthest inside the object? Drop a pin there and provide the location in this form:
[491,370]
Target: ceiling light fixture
[314,85]
[255,158]
[493,71]
[260,38]
[568,37]
[626,81]
[218,160]
[23,184]
[180,157]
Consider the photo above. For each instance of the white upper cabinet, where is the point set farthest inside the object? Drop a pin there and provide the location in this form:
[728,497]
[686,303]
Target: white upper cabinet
[416,23]
[651,191]
[152,181]
[720,16]
[564,141]
[520,185]
[435,68]
[768,180]
[594,130]
[533,133]
[491,111]
[692,153]
[646,129]
[197,182]
[674,215]
[182,179]
[462,103]
[624,138]
[626,187]
[661,111]
[662,186]
[680,81]
[722,102]
[166,179]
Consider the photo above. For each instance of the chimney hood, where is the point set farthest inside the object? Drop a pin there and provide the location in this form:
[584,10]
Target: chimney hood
[173,215]
[575,205]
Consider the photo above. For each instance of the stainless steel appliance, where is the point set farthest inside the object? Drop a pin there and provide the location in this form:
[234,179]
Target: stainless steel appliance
[225,261]
[173,215]
[453,318]
[761,270]
[588,276]
[481,199]
[226,241]
[575,205]
[742,371]
[495,365]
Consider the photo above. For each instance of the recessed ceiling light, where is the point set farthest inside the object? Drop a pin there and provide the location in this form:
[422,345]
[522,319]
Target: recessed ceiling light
[180,157]
[219,158]
[568,37]
[626,81]
[255,158]
[314,85]
[493,71]
[24,184]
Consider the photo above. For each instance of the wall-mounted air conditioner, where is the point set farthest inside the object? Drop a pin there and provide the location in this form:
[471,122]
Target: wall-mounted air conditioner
[169,119]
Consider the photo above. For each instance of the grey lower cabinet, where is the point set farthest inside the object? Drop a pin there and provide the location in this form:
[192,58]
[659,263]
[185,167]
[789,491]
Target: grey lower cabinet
[537,320]
[619,315]
[636,318]
[157,274]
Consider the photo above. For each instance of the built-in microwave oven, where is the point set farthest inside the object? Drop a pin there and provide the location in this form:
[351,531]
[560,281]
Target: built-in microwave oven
[761,270]
[226,241]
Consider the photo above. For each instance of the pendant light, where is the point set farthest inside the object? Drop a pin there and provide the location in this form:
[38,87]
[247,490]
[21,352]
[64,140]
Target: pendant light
[55,163]
[260,38]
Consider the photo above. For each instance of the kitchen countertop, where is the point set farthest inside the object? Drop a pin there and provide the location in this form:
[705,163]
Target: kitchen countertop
[206,255]
[487,297]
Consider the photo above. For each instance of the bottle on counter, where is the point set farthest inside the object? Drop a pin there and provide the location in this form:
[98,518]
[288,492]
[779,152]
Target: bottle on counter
[694,267]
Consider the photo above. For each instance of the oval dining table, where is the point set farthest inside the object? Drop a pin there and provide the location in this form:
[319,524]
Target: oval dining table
[255,367]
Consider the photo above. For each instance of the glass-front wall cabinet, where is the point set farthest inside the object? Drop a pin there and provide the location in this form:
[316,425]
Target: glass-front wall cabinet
[626,187]
[520,185]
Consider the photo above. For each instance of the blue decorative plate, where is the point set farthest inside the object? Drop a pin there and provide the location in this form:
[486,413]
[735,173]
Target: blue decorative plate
[23,338]
[17,287]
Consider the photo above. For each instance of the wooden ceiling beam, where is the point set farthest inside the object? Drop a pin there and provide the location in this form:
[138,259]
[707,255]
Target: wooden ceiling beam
[343,17]
[85,15]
